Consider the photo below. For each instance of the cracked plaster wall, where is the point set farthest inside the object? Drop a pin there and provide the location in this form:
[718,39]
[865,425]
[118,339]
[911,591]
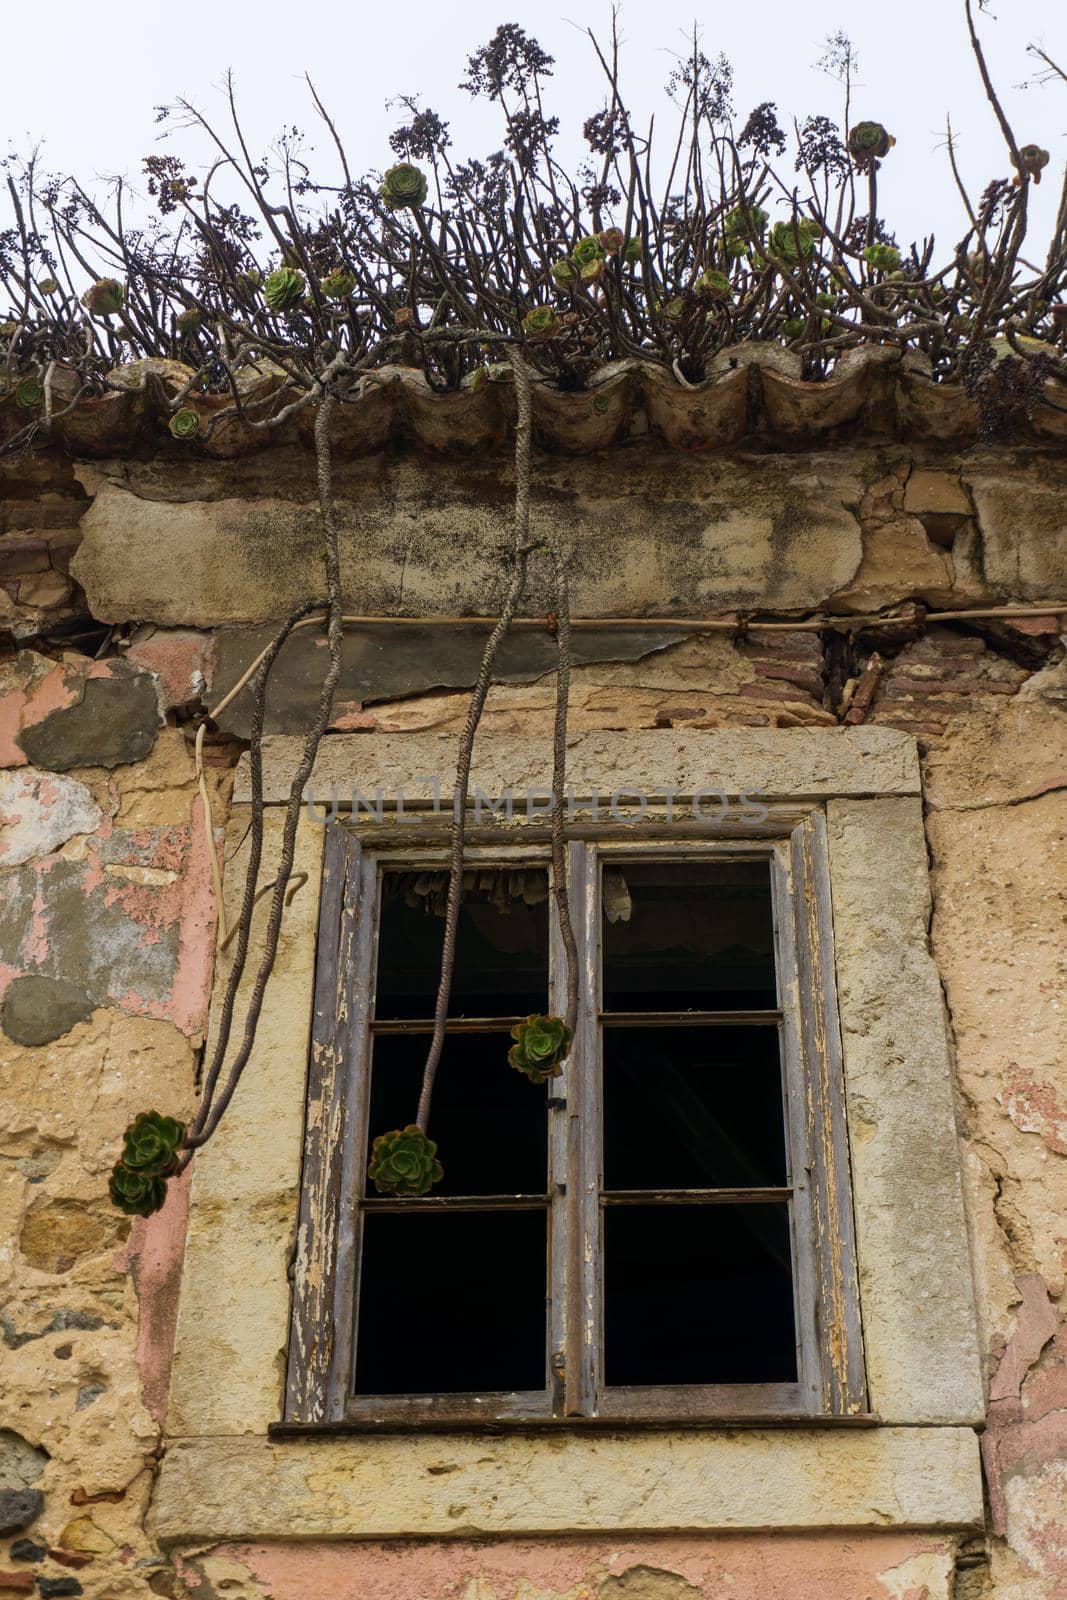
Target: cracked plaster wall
[107,930]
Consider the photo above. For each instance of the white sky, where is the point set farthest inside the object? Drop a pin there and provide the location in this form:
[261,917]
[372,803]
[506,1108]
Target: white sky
[83,77]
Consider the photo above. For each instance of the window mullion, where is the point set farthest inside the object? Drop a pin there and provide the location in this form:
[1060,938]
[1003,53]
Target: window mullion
[579,1267]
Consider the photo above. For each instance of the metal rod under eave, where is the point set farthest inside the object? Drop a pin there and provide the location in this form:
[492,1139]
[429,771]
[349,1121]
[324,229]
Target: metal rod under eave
[735,624]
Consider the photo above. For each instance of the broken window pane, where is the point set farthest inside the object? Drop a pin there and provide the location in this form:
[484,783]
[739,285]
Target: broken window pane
[693,1108]
[490,1123]
[501,944]
[452,1302]
[688,936]
[698,1294]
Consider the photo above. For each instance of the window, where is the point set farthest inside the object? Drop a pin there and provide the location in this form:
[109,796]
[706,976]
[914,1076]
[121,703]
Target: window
[662,1233]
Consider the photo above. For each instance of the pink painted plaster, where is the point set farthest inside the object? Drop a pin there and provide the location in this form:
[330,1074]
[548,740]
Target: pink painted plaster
[1026,1429]
[1035,1107]
[184,662]
[153,1254]
[725,1567]
[191,990]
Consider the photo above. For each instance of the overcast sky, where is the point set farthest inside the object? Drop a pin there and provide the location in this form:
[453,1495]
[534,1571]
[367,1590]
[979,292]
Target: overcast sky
[83,78]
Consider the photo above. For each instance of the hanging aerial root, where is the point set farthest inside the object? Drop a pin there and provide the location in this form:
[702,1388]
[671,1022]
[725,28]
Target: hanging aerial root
[141,1189]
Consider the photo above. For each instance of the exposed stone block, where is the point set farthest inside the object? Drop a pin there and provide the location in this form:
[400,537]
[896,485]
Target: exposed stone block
[942,493]
[18,1508]
[57,1233]
[110,717]
[36,1010]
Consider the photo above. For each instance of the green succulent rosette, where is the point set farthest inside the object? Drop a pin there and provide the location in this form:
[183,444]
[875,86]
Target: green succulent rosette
[587,250]
[338,284]
[104,298]
[404,186]
[189,321]
[740,225]
[541,1046]
[185,424]
[793,327]
[8,330]
[883,257]
[632,250]
[284,289]
[48,286]
[251,281]
[715,283]
[541,323]
[151,1144]
[563,273]
[869,142]
[793,241]
[29,394]
[404,1162]
[138,1194]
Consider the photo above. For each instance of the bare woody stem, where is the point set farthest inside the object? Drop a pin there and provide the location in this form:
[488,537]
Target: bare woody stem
[216,1103]
[516,589]
[559,781]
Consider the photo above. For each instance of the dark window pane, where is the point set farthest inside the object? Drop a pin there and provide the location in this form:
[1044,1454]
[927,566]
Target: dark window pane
[694,936]
[490,1123]
[698,1294]
[452,1303]
[501,943]
[693,1108]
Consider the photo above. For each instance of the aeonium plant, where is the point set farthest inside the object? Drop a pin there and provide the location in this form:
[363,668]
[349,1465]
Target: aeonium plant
[541,1047]
[150,1154]
[404,1162]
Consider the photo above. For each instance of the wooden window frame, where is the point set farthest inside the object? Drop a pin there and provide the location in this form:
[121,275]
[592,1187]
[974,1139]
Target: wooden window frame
[830,1383]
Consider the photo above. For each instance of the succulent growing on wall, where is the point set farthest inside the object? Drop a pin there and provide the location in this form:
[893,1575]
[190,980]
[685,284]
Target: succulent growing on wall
[150,1154]
[284,289]
[869,142]
[151,1143]
[541,1047]
[185,423]
[138,1194]
[404,1162]
[104,298]
[403,186]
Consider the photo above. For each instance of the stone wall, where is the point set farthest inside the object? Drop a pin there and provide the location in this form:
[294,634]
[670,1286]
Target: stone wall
[136,593]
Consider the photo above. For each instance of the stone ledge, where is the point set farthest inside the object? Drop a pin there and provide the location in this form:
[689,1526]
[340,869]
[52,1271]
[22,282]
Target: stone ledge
[364,1487]
[770,763]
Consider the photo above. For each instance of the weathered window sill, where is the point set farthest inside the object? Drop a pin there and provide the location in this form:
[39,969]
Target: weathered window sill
[493,1426]
[576,1481]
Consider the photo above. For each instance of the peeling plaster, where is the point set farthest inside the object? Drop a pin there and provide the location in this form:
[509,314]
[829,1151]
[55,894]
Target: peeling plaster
[763,1567]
